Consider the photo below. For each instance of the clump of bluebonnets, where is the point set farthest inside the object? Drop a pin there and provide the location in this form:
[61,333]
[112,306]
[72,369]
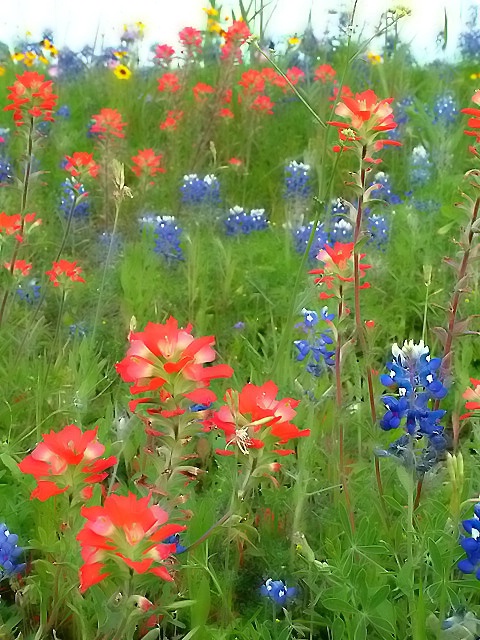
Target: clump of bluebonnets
[200,191]
[378,229]
[469,40]
[421,167]
[315,350]
[10,554]
[301,237]
[168,236]
[471,544]
[240,222]
[71,205]
[445,110]
[413,377]
[298,180]
[385,190]
[29,291]
[277,591]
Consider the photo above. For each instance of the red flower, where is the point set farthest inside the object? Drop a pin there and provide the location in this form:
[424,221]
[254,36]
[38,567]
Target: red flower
[252,81]
[172,120]
[254,417]
[65,460]
[147,162]
[19,265]
[164,354]
[473,395]
[31,95]
[365,113]
[324,72]
[164,53]
[81,162]
[191,38]
[338,267]
[108,123]
[67,269]
[294,74]
[263,104]
[128,529]
[236,35]
[474,122]
[235,162]
[17,225]
[169,82]
[201,91]
[225,112]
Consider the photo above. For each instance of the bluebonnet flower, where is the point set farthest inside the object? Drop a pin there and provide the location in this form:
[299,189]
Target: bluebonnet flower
[198,191]
[471,545]
[241,222]
[469,40]
[445,110]
[78,330]
[63,111]
[71,189]
[414,375]
[277,591]
[379,230]
[385,191]
[9,554]
[167,239]
[69,63]
[420,166]
[175,539]
[426,205]
[315,350]
[6,170]
[301,236]
[29,291]
[342,231]
[239,326]
[297,180]
[461,624]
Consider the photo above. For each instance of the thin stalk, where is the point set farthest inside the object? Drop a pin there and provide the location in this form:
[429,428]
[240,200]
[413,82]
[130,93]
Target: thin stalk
[56,334]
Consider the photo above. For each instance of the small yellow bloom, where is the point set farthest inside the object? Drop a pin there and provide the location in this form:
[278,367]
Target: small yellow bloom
[374,58]
[119,54]
[293,41]
[28,34]
[2,71]
[43,59]
[30,55]
[122,72]
[474,76]
[210,11]
[215,27]
[18,57]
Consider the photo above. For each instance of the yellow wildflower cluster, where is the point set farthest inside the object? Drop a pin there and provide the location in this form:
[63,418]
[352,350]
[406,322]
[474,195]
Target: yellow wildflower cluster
[294,41]
[474,76]
[374,58]
[30,57]
[213,20]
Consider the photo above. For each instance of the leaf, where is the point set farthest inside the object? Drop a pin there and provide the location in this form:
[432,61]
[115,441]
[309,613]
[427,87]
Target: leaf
[336,604]
[435,555]
[338,629]
[379,596]
[441,334]
[361,630]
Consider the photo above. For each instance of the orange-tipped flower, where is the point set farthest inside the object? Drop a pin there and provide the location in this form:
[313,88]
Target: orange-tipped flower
[63,271]
[31,96]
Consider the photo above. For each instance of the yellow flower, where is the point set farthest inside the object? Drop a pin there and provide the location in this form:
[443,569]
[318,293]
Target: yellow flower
[374,58]
[122,72]
[474,76]
[43,59]
[210,11]
[119,54]
[294,40]
[215,27]
[18,57]
[2,71]
[31,55]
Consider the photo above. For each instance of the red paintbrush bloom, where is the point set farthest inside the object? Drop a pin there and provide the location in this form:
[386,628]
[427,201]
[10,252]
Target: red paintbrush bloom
[201,91]
[164,53]
[295,75]
[263,104]
[31,96]
[166,355]
[62,271]
[80,163]
[324,72]
[225,112]
[169,83]
[191,39]
[108,123]
[474,121]
[237,32]
[126,528]
[473,398]
[64,460]
[19,265]
[338,267]
[147,162]
[254,417]
[171,121]
[17,225]
[365,113]
[252,81]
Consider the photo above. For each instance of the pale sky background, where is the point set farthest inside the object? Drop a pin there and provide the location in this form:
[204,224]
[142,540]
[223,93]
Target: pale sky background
[75,22]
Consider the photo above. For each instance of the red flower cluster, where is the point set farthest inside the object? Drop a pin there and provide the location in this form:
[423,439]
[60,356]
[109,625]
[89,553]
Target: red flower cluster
[17,225]
[166,357]
[473,398]
[324,73]
[201,91]
[254,417]
[125,528]
[337,268]
[171,121]
[252,81]
[108,123]
[164,54]
[263,104]
[191,39]
[22,266]
[169,83]
[31,96]
[80,163]
[62,271]
[474,121]
[65,460]
[147,163]
[236,35]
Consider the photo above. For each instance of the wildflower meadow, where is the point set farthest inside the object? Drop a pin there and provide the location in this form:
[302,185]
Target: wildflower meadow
[240,336]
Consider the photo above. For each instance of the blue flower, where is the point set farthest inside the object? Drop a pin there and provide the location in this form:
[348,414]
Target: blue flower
[168,236]
[200,191]
[471,546]
[71,190]
[385,192]
[445,110]
[175,539]
[421,167]
[63,111]
[29,291]
[315,349]
[301,236]
[9,554]
[342,231]
[6,171]
[241,222]
[297,183]
[379,230]
[278,591]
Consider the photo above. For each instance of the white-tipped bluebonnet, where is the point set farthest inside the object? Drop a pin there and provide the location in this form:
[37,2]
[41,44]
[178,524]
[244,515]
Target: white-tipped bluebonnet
[29,291]
[471,545]
[421,166]
[200,191]
[379,229]
[63,111]
[175,539]
[301,237]
[6,171]
[78,330]
[342,231]
[71,190]
[168,236]
[315,350]
[460,625]
[297,183]
[240,222]
[445,110]
[277,591]
[469,40]
[385,192]
[10,554]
